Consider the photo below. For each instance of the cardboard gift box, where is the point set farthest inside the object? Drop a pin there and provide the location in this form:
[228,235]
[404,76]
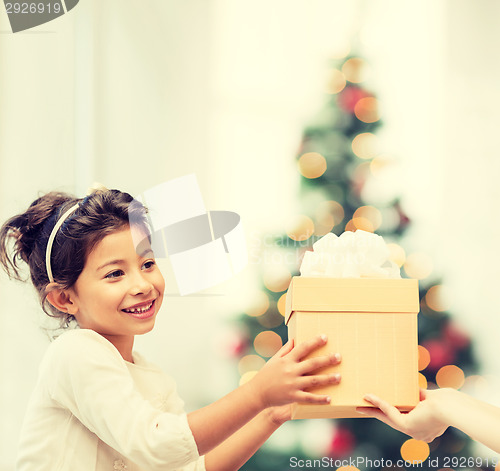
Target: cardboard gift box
[372,323]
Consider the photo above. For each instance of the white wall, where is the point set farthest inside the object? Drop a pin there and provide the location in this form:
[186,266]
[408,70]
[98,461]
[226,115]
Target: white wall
[471,167]
[113,92]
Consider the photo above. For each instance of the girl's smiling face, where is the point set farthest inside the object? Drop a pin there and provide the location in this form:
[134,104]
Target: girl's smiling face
[119,291]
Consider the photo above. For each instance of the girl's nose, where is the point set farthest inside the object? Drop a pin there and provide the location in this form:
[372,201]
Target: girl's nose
[141,285]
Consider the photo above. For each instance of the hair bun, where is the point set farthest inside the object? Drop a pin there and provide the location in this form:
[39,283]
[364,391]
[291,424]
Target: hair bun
[29,229]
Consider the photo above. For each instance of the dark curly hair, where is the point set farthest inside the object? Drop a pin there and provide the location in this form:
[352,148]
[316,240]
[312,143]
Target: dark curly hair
[97,215]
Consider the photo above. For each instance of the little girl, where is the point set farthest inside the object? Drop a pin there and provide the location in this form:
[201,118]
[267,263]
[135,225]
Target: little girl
[98,405]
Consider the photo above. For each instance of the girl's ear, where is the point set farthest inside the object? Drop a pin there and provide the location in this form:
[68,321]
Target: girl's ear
[61,299]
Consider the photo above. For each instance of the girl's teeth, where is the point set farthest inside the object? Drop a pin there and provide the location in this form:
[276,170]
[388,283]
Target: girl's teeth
[139,310]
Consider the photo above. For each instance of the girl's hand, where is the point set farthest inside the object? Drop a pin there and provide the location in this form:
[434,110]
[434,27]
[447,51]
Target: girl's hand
[287,377]
[280,414]
[421,423]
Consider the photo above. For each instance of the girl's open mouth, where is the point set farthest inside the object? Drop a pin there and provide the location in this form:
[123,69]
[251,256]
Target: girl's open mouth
[141,311]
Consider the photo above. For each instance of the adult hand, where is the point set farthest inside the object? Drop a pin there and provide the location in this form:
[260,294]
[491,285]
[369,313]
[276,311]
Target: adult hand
[424,422]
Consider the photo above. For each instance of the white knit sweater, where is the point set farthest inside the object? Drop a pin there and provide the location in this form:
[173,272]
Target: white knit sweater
[93,411]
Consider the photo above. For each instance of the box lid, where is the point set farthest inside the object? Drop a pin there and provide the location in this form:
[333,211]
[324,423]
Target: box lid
[352,295]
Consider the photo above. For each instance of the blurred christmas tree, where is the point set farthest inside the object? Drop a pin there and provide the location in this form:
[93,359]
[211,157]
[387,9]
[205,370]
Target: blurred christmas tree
[337,159]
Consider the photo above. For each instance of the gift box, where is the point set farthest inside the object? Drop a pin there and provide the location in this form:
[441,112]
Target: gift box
[372,323]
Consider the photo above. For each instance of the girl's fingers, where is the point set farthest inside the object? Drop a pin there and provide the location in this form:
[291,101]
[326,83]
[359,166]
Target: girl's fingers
[305,397]
[300,351]
[310,382]
[285,349]
[313,364]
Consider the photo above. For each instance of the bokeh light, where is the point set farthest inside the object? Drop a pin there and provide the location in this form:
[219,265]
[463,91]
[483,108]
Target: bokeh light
[324,224]
[450,376]
[348,468]
[370,214]
[259,305]
[366,110]
[350,226]
[355,70]
[422,381]
[418,265]
[362,224]
[336,82]
[424,358]
[414,450]
[327,215]
[250,363]
[428,312]
[366,145]
[438,298]
[300,228]
[312,165]
[282,304]
[396,254]
[276,278]
[267,343]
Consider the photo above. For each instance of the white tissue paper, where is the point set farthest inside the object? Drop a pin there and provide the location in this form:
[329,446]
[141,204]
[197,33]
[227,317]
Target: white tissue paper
[352,255]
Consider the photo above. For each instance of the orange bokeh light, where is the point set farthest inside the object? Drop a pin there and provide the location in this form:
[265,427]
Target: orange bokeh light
[366,110]
[282,304]
[301,228]
[259,306]
[418,265]
[336,82]
[424,358]
[396,254]
[350,226]
[277,280]
[312,165]
[450,376]
[415,451]
[267,343]
[355,70]
[437,298]
[365,145]
[371,214]
[250,363]
[422,381]
[363,224]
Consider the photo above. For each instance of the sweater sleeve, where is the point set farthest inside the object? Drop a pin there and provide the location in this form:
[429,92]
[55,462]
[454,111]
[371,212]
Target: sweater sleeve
[86,375]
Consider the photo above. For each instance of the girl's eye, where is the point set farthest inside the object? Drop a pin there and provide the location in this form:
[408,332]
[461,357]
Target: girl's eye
[114,274]
[149,264]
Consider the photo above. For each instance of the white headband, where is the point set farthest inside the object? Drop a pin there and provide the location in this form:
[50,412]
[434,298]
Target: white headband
[52,236]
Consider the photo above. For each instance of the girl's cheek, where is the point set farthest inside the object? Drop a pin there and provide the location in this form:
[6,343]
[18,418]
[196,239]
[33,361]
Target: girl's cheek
[159,285]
